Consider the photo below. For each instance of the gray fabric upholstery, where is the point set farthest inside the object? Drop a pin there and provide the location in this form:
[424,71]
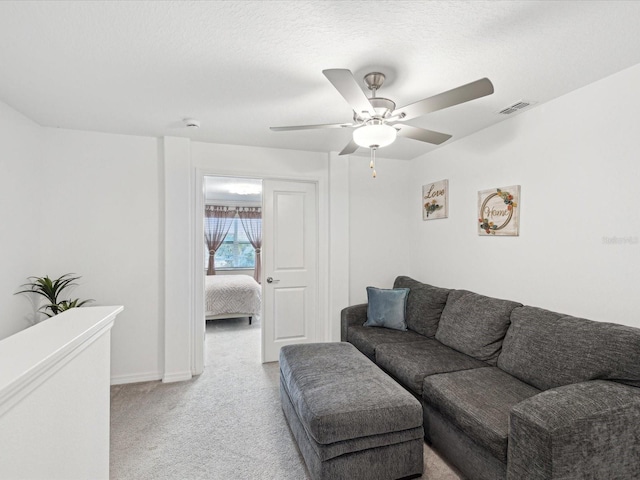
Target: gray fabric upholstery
[332,450]
[548,349]
[475,324]
[478,402]
[396,459]
[585,430]
[424,305]
[340,395]
[410,363]
[560,398]
[367,339]
[351,316]
[472,460]
[402,281]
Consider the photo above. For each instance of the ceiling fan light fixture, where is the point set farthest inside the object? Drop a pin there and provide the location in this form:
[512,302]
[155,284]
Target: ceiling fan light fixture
[375,135]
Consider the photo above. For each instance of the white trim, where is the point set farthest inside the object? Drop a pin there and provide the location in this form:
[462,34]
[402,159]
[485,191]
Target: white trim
[339,232]
[177,377]
[136,378]
[197,295]
[323,256]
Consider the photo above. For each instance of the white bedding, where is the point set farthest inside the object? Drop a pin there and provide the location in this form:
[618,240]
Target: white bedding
[232,296]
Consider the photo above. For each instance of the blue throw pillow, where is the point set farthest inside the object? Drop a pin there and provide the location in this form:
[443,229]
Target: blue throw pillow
[386,308]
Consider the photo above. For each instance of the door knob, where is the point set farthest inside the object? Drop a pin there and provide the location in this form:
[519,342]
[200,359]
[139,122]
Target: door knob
[271,280]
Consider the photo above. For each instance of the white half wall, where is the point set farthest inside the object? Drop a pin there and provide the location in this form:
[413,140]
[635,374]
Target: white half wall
[20,201]
[54,397]
[576,159]
[380,246]
[102,207]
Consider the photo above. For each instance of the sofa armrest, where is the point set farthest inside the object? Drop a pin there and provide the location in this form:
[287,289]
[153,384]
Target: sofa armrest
[584,430]
[353,315]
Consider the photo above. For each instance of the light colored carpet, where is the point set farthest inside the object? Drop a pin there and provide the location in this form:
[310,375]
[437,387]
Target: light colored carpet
[225,424]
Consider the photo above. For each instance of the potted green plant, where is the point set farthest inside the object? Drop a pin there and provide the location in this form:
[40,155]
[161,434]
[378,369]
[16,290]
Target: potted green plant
[52,290]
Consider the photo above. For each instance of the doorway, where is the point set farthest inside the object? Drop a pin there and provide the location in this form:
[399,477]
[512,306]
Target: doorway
[292,309]
[232,224]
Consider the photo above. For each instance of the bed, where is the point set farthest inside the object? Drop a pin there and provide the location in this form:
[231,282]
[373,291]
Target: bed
[232,296]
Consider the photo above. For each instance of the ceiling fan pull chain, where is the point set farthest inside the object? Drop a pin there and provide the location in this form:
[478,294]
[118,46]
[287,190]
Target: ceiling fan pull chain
[373,161]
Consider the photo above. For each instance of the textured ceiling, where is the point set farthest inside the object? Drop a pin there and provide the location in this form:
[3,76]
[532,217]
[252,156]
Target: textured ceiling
[242,66]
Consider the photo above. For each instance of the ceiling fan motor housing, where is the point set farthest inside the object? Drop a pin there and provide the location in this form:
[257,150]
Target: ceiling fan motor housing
[382,106]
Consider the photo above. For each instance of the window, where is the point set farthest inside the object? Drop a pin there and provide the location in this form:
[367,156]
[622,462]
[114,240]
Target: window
[236,250]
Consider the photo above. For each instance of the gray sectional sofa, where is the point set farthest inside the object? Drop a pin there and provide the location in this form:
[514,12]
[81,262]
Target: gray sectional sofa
[513,391]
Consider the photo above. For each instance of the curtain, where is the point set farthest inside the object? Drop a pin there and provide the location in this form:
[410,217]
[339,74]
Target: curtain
[217,221]
[251,219]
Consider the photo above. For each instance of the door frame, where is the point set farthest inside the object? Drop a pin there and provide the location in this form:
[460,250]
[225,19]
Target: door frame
[323,328]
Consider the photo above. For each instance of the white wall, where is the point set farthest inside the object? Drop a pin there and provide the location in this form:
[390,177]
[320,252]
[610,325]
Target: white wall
[576,159]
[102,220]
[257,162]
[380,245]
[20,161]
[101,206]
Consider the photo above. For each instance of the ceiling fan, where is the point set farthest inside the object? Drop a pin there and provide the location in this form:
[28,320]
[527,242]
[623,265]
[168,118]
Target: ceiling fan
[376,120]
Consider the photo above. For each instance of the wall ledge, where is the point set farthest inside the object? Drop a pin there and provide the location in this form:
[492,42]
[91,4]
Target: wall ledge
[33,355]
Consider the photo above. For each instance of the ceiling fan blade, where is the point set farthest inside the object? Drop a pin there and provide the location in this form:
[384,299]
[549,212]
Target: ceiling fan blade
[344,82]
[309,127]
[423,135]
[455,96]
[350,148]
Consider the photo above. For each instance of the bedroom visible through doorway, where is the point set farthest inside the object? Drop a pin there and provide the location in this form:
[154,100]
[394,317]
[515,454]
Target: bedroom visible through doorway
[232,220]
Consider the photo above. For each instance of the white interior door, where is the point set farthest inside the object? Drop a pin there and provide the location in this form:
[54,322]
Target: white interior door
[290,274]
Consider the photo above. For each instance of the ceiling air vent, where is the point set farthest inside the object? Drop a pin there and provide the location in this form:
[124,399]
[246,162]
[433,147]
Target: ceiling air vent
[516,107]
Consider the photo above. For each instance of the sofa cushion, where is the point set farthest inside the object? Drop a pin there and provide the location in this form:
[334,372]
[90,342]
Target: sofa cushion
[424,305]
[366,339]
[411,362]
[478,402]
[386,308]
[475,324]
[548,349]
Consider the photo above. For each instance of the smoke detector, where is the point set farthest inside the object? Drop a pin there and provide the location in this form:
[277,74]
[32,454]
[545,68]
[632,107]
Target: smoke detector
[191,123]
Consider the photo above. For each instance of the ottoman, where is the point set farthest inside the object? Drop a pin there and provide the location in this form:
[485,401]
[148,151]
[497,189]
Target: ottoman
[350,419]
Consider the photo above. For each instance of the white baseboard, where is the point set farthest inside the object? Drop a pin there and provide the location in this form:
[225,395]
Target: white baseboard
[176,377]
[135,378]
